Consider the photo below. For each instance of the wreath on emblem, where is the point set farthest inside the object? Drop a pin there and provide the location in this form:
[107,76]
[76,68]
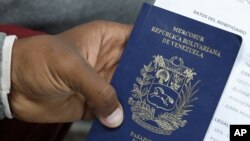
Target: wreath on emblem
[163,95]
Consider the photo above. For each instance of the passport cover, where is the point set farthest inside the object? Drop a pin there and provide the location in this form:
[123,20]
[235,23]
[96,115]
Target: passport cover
[170,78]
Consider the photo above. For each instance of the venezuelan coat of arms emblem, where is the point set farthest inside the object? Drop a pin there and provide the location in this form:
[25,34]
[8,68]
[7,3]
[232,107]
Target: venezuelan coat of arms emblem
[162,96]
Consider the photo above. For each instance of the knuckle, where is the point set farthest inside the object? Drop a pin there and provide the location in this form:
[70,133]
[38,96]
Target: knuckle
[66,61]
[102,25]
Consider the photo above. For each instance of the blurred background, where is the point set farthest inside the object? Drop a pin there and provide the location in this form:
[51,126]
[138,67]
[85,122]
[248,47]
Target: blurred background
[78,131]
[60,15]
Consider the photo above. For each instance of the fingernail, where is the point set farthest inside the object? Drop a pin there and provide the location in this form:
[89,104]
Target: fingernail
[115,119]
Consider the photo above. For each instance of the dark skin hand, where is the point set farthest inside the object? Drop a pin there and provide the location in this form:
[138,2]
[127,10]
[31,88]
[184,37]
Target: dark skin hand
[65,77]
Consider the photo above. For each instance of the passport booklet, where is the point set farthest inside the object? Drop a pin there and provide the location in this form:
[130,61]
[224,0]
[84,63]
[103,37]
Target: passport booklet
[234,105]
[170,78]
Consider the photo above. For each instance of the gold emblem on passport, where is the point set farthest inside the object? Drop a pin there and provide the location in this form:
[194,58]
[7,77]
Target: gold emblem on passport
[162,96]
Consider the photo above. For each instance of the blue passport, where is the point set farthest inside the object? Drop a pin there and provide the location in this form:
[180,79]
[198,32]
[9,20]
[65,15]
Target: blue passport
[170,78]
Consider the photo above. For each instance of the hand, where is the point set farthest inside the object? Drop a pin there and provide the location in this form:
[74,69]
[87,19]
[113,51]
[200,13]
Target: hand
[65,77]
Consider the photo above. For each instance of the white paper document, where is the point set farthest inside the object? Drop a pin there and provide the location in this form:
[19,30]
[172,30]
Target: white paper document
[233,16]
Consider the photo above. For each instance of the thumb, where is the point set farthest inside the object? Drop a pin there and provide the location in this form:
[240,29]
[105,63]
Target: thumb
[100,95]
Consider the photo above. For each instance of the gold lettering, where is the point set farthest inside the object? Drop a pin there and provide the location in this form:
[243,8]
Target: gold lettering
[166,41]
[201,47]
[187,49]
[138,137]
[188,34]
[166,34]
[185,44]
